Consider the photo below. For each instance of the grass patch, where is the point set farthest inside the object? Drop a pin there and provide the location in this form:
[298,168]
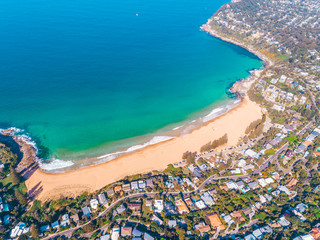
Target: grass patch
[22,188]
[7,182]
[270,152]
[291,138]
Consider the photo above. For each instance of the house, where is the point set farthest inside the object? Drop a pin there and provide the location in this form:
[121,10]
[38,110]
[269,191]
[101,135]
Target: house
[102,199]
[200,204]
[134,206]
[203,167]
[275,193]
[315,232]
[170,209]
[269,180]
[215,221]
[118,189]
[237,215]
[235,171]
[65,220]
[202,228]
[181,206]
[276,176]
[245,189]
[207,199]
[45,228]
[158,205]
[172,223]
[75,218]
[304,237]
[195,170]
[252,154]
[249,237]
[262,199]
[240,184]
[300,148]
[253,185]
[268,197]
[115,233]
[283,222]
[284,189]
[105,237]
[6,219]
[231,185]
[86,211]
[189,203]
[126,231]
[110,192]
[142,184]
[19,229]
[257,233]
[136,233]
[149,183]
[227,219]
[148,202]
[293,182]
[258,205]
[301,207]
[242,163]
[94,204]
[55,225]
[262,182]
[120,209]
[266,229]
[126,187]
[248,212]
[147,236]
[169,184]
[134,185]
[156,219]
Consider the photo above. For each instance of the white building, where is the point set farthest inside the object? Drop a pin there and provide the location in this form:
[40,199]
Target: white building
[94,204]
[158,205]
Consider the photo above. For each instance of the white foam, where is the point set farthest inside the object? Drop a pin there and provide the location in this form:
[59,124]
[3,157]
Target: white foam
[237,101]
[55,164]
[154,140]
[176,128]
[214,113]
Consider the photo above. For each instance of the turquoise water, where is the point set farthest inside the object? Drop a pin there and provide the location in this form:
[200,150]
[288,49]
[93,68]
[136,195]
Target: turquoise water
[80,76]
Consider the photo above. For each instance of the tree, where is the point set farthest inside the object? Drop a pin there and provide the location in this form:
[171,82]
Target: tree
[35,231]
[23,237]
[14,176]
[189,157]
[22,199]
[89,227]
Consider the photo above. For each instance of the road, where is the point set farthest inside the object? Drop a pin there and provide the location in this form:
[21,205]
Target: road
[303,130]
[270,159]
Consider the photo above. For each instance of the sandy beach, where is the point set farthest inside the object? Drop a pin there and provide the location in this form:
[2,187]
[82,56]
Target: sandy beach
[155,157]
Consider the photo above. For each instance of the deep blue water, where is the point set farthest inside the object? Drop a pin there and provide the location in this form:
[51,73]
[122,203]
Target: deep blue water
[82,75]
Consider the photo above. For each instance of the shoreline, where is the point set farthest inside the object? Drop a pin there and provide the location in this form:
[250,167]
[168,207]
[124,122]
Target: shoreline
[207,28]
[186,127]
[150,158]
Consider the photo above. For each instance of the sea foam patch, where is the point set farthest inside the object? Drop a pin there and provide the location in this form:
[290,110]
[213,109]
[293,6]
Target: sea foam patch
[154,140]
[55,164]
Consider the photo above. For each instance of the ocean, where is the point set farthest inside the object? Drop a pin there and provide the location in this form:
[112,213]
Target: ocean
[87,78]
